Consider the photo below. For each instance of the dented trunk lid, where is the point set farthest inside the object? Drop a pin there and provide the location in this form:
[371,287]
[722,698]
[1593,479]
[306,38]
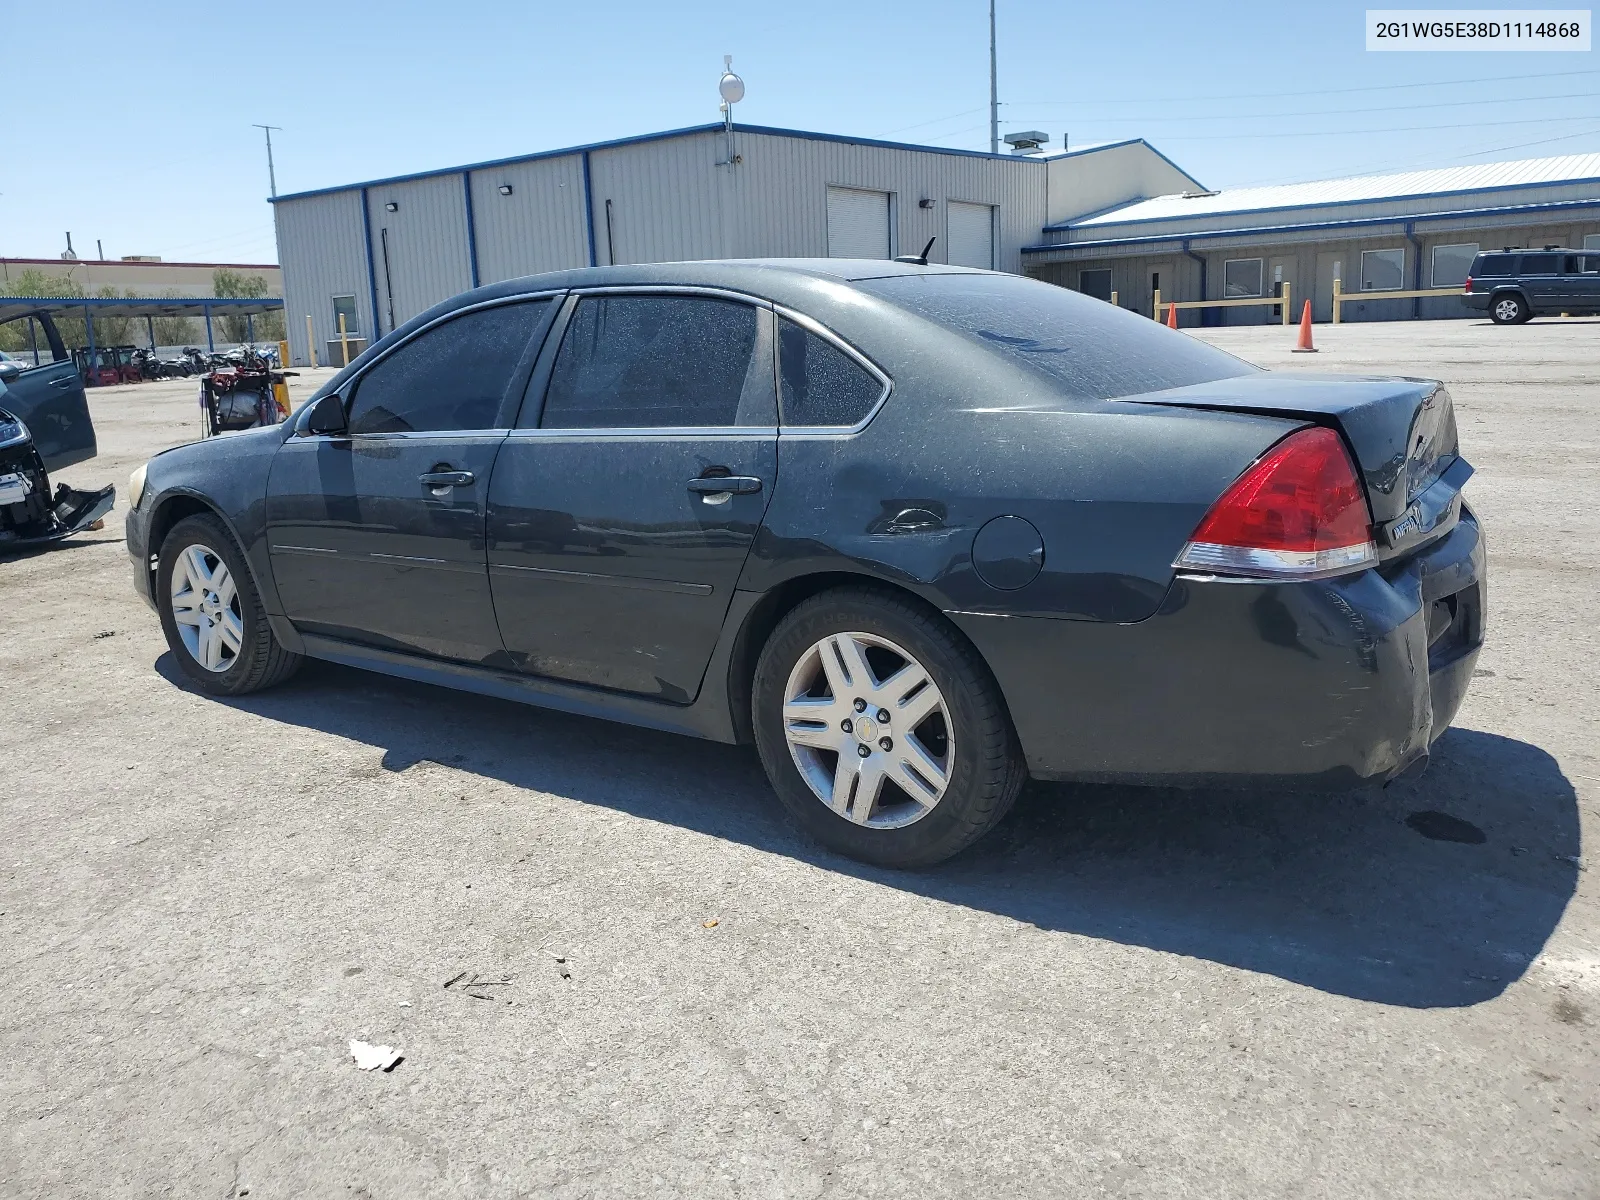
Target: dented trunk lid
[1401,432]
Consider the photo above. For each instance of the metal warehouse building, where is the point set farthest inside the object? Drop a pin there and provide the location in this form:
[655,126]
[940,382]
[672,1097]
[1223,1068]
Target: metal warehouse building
[1402,232]
[383,251]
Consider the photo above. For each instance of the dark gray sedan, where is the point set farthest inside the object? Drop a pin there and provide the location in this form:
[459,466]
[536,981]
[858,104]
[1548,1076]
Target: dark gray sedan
[917,532]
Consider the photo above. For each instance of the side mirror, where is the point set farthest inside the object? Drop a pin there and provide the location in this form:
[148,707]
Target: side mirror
[9,370]
[326,417]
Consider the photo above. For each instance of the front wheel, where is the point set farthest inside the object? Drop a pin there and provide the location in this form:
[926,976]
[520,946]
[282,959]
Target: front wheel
[1509,310]
[881,729]
[212,614]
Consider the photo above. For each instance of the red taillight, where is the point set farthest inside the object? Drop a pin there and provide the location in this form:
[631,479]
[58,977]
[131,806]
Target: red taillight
[1298,513]
[1468,285]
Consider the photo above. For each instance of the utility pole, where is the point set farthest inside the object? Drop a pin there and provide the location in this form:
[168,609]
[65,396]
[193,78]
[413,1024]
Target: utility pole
[994,90]
[272,177]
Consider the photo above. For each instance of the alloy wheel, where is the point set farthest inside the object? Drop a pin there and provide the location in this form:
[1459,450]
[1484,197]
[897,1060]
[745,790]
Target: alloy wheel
[869,730]
[205,606]
[1507,310]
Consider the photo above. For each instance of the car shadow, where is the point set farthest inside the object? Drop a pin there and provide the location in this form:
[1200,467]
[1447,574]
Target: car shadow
[1433,893]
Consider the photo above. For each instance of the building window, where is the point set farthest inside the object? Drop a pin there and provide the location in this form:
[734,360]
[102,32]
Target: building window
[1241,277]
[345,305]
[1452,264]
[1096,284]
[1591,241]
[1383,270]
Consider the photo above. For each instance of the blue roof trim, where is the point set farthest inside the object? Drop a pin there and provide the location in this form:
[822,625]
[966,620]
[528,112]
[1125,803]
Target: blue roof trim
[1239,212]
[102,301]
[1400,219]
[687,131]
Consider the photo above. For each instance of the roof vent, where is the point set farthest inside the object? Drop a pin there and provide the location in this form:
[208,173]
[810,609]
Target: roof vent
[1029,141]
[1199,195]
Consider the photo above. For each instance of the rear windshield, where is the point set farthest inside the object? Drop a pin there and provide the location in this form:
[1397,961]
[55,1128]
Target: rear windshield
[1495,264]
[1093,350]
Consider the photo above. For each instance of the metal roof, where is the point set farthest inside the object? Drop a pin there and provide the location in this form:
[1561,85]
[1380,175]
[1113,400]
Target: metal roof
[119,306]
[690,131]
[1406,185]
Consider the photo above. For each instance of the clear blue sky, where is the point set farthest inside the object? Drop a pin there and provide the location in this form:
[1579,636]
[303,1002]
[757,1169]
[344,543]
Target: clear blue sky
[131,122]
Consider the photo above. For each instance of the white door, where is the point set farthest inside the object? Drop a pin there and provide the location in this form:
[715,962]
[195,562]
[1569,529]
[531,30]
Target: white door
[858,223]
[971,235]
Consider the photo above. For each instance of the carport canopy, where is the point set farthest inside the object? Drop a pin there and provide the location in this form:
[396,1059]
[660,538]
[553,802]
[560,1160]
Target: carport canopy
[90,307]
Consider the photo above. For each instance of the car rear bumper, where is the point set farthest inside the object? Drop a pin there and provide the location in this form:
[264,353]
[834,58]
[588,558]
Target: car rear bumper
[1476,300]
[1325,684]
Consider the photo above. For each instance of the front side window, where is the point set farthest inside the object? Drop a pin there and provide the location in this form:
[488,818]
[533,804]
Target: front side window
[1088,349]
[1096,284]
[641,362]
[1589,264]
[1383,270]
[819,383]
[452,376]
[1241,277]
[1452,264]
[345,306]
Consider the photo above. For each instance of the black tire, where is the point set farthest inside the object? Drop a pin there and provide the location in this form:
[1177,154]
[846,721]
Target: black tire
[260,661]
[988,769]
[1509,310]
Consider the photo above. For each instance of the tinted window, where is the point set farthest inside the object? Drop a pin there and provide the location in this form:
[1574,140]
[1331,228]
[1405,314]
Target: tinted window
[454,376]
[1495,265]
[1589,264]
[1094,351]
[652,361]
[821,384]
[1541,264]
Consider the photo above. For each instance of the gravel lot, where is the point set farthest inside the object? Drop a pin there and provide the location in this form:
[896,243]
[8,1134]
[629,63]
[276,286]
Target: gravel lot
[1122,992]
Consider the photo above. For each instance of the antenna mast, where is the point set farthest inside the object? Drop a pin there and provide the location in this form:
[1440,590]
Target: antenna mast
[272,176]
[994,90]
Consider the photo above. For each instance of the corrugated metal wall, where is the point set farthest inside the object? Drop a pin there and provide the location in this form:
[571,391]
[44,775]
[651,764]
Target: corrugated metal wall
[427,256]
[539,227]
[319,248]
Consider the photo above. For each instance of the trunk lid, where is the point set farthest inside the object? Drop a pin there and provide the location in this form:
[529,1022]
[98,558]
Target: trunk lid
[1401,432]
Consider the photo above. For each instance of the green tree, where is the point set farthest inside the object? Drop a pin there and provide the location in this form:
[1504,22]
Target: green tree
[230,284]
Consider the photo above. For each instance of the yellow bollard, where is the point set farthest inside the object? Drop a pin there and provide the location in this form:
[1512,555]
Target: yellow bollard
[1158,304]
[1338,291]
[311,341]
[1113,298]
[344,341]
[1287,288]
[283,353]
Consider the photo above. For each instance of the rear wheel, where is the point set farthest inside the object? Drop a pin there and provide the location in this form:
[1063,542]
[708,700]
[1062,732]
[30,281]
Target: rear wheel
[881,729]
[212,614]
[1509,310]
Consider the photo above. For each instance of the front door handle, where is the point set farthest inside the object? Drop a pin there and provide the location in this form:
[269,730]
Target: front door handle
[64,383]
[446,479]
[739,485]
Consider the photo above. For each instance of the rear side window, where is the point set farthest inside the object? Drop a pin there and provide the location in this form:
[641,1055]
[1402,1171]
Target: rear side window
[453,376]
[637,362]
[820,383]
[1495,265]
[1091,350]
[1541,264]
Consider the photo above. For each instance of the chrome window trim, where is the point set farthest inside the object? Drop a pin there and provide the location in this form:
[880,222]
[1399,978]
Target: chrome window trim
[648,433]
[812,325]
[451,435]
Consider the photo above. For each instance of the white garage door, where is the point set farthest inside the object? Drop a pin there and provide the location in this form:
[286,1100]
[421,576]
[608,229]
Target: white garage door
[971,228]
[858,223]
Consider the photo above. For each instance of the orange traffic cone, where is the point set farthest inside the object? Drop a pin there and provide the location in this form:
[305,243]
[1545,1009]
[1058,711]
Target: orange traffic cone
[1305,346]
[1172,316]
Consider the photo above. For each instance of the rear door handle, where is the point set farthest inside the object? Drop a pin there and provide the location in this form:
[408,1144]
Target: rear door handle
[447,479]
[739,485]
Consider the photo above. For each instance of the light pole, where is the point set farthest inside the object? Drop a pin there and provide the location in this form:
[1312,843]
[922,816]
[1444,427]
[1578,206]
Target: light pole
[994,90]
[272,177]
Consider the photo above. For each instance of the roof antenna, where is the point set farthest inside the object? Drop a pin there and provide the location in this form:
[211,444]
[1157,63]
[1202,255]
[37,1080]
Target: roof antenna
[920,260]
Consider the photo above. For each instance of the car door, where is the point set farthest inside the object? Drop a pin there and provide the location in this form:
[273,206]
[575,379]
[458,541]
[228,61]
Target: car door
[47,394]
[1543,283]
[1583,283]
[378,536]
[621,512]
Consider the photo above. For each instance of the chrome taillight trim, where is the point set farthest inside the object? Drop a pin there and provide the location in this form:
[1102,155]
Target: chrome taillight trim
[1253,562]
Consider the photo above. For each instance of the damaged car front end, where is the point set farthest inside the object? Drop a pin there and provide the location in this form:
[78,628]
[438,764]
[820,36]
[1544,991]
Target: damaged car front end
[30,513]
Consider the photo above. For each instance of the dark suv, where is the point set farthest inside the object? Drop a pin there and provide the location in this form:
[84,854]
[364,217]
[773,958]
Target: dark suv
[1517,285]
